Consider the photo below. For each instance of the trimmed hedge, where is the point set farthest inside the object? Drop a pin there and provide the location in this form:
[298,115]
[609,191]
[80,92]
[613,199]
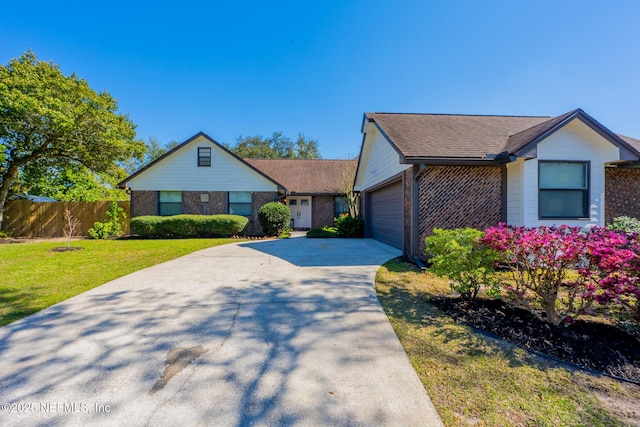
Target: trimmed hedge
[184,226]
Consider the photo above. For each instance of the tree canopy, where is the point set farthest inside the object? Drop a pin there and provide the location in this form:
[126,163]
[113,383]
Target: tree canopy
[49,120]
[277,146]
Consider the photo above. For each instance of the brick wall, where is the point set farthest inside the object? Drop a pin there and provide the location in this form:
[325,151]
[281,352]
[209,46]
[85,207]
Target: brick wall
[407,188]
[191,203]
[323,211]
[144,203]
[218,202]
[458,197]
[621,193]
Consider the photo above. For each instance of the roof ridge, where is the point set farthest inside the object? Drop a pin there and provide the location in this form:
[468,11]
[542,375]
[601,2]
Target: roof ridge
[462,115]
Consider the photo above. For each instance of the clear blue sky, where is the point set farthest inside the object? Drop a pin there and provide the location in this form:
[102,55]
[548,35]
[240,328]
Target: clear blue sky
[253,67]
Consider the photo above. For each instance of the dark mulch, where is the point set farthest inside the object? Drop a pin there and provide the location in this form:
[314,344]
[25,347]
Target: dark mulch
[591,345]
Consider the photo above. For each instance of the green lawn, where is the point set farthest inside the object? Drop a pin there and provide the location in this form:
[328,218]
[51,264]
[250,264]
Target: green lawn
[473,380]
[33,277]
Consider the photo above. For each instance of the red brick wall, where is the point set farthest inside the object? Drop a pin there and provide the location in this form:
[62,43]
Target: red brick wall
[458,197]
[621,193]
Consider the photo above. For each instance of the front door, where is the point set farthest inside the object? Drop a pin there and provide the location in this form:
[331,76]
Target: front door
[300,208]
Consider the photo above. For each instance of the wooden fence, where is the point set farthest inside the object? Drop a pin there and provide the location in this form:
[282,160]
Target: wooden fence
[24,218]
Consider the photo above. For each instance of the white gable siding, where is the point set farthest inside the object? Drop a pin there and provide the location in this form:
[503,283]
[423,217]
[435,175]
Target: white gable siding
[379,161]
[576,141]
[180,172]
[515,191]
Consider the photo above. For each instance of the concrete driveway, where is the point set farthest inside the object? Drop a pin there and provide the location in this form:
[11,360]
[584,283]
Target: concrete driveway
[271,333]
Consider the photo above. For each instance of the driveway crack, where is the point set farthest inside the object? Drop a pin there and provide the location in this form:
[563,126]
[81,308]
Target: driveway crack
[198,363]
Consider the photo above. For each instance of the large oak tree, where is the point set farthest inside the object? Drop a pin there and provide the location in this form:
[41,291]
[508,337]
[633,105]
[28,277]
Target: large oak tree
[56,120]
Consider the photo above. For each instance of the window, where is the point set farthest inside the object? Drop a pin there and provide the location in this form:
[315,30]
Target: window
[169,203]
[564,189]
[293,202]
[240,203]
[340,206]
[304,202]
[204,157]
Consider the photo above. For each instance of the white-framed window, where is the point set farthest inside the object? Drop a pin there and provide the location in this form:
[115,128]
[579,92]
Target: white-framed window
[563,189]
[240,203]
[204,157]
[169,203]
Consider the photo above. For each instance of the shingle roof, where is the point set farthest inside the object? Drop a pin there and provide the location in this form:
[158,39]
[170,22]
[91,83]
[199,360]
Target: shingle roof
[442,135]
[473,137]
[309,176]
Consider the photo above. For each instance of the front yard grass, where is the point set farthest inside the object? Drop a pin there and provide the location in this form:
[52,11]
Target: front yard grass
[475,380]
[33,277]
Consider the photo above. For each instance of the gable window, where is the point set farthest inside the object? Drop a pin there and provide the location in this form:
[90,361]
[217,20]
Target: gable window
[204,156]
[340,206]
[563,189]
[240,203]
[169,203]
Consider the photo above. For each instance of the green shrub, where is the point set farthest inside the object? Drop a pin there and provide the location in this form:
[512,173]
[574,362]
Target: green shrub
[322,232]
[457,255]
[349,226]
[625,223]
[185,226]
[112,227]
[274,217]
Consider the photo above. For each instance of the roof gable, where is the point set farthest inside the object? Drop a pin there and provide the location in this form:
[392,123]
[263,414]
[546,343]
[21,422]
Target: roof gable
[316,176]
[196,137]
[523,144]
[420,137]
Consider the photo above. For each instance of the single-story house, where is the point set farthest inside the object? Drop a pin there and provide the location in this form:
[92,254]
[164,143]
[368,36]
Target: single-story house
[315,188]
[200,176]
[417,172]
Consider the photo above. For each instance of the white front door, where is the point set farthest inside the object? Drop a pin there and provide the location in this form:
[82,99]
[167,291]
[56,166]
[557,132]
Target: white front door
[300,208]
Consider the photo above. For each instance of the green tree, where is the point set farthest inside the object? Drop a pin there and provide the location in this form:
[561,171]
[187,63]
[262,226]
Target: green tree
[73,182]
[277,146]
[59,120]
[153,150]
[306,148]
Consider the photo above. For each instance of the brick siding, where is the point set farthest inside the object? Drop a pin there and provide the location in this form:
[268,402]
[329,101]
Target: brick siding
[407,188]
[323,211]
[622,193]
[458,197]
[144,203]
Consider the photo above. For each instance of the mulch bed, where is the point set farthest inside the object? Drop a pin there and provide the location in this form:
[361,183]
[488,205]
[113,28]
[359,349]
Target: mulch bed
[591,345]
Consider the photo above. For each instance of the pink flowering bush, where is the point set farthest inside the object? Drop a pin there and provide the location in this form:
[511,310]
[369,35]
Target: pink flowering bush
[540,260]
[595,266]
[609,269]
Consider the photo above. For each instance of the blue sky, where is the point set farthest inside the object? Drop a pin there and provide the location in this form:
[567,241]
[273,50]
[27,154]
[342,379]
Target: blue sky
[314,67]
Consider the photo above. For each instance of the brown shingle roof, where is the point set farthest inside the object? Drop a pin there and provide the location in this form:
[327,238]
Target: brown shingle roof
[309,176]
[443,135]
[473,137]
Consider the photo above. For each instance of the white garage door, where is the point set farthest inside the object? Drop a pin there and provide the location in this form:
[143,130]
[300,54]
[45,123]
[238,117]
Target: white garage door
[385,215]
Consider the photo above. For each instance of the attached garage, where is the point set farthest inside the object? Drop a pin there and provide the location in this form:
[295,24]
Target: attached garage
[385,215]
